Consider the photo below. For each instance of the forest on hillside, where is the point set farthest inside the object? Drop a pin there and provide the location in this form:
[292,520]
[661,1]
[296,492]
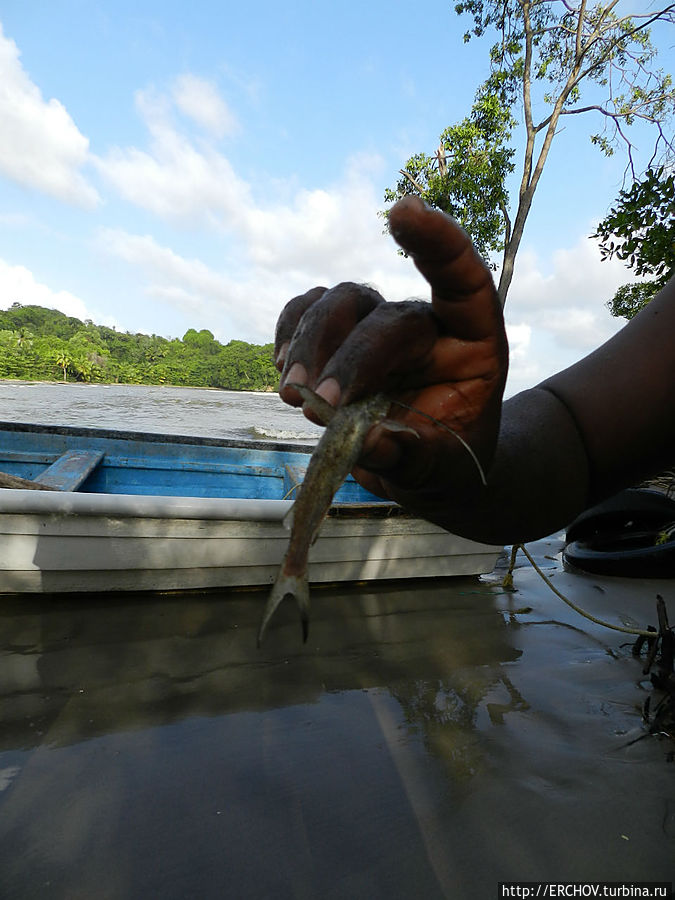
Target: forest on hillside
[40,344]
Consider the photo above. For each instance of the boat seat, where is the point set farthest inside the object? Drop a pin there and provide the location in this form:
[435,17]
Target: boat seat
[70,470]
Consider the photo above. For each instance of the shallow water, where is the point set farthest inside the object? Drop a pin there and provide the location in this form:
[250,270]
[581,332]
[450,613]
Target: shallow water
[428,741]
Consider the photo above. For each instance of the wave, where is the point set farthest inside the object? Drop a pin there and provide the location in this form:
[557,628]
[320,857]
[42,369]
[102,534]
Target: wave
[269,433]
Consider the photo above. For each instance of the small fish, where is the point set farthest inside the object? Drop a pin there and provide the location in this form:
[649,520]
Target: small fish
[332,460]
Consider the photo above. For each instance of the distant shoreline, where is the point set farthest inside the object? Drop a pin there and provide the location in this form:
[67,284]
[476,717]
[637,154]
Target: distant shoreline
[90,384]
[44,346]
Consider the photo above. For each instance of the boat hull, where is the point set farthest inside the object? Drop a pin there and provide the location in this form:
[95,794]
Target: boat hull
[90,540]
[49,546]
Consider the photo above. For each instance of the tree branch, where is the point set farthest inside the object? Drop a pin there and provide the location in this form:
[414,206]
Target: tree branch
[634,111]
[412,181]
[598,33]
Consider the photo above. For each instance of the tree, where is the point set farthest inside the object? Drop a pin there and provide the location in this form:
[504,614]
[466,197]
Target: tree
[90,352]
[64,361]
[547,52]
[466,177]
[640,229]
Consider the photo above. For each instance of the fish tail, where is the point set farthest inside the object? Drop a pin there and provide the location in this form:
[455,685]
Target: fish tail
[287,586]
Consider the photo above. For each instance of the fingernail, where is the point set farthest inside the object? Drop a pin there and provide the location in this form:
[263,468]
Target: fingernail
[330,390]
[297,374]
[280,358]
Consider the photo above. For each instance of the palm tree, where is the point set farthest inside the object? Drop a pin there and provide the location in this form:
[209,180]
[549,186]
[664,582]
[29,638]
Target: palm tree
[63,361]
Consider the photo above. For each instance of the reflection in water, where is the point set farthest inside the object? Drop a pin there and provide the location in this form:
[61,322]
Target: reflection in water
[136,663]
[427,741]
[444,713]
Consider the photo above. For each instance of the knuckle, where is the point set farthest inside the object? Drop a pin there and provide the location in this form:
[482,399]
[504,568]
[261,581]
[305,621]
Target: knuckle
[292,314]
[321,326]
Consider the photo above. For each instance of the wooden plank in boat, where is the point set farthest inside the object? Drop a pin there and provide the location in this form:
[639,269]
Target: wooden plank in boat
[14,482]
[70,470]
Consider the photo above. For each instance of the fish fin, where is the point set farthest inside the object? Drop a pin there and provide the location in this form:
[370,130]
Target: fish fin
[393,425]
[287,586]
[317,404]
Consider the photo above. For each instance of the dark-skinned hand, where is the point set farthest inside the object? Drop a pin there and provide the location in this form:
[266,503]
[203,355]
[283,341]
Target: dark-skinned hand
[447,359]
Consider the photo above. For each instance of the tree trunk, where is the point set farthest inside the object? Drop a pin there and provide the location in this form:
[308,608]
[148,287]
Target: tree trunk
[511,249]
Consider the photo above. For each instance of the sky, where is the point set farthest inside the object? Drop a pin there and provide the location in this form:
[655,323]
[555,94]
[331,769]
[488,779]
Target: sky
[166,166]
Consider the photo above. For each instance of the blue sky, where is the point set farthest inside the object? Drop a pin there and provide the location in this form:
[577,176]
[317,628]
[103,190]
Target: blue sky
[167,165]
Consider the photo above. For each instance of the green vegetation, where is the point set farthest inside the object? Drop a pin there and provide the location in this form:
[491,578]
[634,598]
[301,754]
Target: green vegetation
[45,345]
[549,60]
[466,176]
[640,230]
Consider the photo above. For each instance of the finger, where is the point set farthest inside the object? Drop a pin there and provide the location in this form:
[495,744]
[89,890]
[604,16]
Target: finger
[322,328]
[400,347]
[463,292]
[288,322]
[382,350]
[441,386]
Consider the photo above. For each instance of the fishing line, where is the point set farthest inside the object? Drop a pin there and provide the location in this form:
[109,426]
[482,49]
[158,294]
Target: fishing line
[450,431]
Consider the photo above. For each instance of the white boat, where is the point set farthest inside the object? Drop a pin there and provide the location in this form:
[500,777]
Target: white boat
[123,511]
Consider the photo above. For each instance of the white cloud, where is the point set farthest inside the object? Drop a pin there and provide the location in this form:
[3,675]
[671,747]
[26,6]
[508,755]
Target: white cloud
[320,234]
[331,235]
[569,300]
[185,283]
[41,147]
[244,304]
[208,298]
[555,311]
[174,178]
[317,237]
[324,236]
[523,367]
[18,220]
[18,285]
[321,237]
[563,304]
[144,250]
[199,100]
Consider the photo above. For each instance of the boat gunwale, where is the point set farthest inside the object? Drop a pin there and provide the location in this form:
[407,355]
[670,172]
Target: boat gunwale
[158,437]
[18,501]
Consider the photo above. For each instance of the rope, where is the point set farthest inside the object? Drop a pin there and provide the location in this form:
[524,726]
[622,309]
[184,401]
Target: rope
[578,609]
[292,488]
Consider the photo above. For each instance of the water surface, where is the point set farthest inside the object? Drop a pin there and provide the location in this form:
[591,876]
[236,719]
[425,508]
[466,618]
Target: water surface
[140,407]
[430,739]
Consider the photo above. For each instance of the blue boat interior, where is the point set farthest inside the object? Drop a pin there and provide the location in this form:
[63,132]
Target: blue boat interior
[113,462]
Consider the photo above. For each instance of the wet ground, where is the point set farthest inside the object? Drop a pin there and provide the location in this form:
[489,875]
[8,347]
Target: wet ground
[428,741]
